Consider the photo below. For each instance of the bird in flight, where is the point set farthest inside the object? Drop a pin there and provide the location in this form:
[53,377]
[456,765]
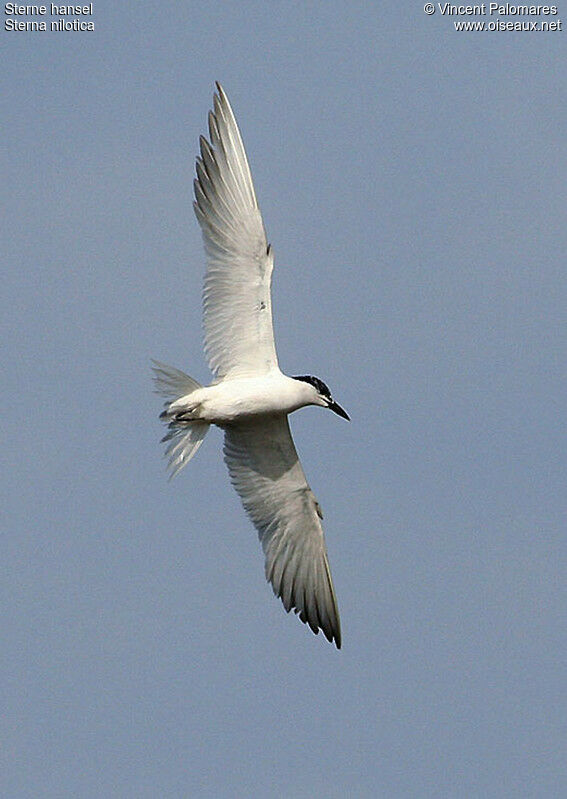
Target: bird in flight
[250,398]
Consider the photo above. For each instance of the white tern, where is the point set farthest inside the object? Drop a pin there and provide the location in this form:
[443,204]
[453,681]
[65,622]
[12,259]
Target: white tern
[250,398]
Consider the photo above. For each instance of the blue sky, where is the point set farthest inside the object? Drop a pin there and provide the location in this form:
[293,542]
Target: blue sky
[412,182]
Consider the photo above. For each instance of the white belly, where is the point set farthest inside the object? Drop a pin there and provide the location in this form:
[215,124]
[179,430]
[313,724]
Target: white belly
[231,400]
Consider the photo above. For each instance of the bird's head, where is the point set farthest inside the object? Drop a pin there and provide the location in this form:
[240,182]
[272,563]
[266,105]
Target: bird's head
[321,395]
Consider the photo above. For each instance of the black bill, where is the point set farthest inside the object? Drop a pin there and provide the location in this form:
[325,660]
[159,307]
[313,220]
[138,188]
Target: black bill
[334,406]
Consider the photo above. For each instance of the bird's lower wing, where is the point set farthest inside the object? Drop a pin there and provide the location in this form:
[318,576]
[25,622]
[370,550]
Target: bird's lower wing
[239,337]
[266,472]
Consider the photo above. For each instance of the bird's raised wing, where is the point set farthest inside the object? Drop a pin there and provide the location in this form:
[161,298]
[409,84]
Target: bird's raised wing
[239,337]
[266,472]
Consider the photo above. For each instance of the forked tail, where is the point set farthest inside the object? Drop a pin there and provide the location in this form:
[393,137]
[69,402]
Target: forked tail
[184,437]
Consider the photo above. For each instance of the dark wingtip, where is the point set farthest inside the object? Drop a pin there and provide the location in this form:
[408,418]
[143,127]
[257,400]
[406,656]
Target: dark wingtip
[334,636]
[220,90]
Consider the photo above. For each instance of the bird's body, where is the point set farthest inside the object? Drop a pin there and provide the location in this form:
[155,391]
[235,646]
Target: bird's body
[242,398]
[250,398]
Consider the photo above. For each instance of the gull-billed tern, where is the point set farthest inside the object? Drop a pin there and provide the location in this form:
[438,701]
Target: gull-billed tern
[250,398]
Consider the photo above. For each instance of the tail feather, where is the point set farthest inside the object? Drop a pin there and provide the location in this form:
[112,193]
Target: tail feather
[171,382]
[184,437]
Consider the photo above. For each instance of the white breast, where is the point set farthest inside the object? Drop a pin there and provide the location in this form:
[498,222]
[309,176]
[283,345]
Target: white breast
[232,400]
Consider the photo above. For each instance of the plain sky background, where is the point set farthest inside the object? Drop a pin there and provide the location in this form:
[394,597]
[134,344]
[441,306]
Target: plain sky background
[412,181]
